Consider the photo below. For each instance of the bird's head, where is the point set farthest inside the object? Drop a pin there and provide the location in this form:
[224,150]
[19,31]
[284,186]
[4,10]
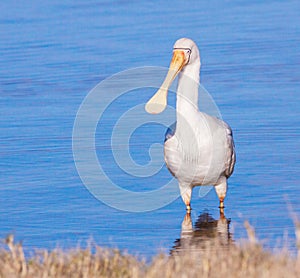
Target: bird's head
[185,52]
[188,49]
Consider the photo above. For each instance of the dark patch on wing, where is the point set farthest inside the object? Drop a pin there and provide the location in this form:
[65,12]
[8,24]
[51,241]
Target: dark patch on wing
[170,131]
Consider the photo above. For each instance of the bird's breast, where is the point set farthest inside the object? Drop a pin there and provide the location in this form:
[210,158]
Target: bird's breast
[198,159]
[187,163]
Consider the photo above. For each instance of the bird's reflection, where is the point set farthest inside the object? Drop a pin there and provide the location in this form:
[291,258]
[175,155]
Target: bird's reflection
[206,230]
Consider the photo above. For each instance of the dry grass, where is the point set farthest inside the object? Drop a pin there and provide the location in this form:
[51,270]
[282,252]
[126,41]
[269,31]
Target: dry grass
[246,260]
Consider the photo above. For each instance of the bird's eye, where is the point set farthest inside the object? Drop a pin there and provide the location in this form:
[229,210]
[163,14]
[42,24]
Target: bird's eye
[188,51]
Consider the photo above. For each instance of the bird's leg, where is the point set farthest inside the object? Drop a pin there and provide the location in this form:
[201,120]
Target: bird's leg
[188,208]
[221,206]
[221,189]
[186,194]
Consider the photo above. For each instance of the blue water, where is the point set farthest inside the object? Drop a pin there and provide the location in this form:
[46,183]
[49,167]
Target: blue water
[52,53]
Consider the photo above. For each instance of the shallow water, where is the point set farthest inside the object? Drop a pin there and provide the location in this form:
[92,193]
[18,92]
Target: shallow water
[53,53]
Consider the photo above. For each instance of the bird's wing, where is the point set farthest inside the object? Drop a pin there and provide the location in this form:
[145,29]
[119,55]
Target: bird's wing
[230,156]
[231,152]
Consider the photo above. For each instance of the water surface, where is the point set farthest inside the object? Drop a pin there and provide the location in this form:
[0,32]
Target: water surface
[54,52]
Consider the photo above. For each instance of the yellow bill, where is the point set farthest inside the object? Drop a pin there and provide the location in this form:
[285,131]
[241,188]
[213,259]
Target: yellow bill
[158,102]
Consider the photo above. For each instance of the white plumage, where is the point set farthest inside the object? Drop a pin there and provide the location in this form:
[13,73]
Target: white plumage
[201,150]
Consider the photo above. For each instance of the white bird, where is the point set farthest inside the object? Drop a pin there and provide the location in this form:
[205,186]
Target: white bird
[201,149]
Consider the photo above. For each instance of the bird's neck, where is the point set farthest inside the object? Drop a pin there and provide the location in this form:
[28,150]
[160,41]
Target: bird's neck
[187,94]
